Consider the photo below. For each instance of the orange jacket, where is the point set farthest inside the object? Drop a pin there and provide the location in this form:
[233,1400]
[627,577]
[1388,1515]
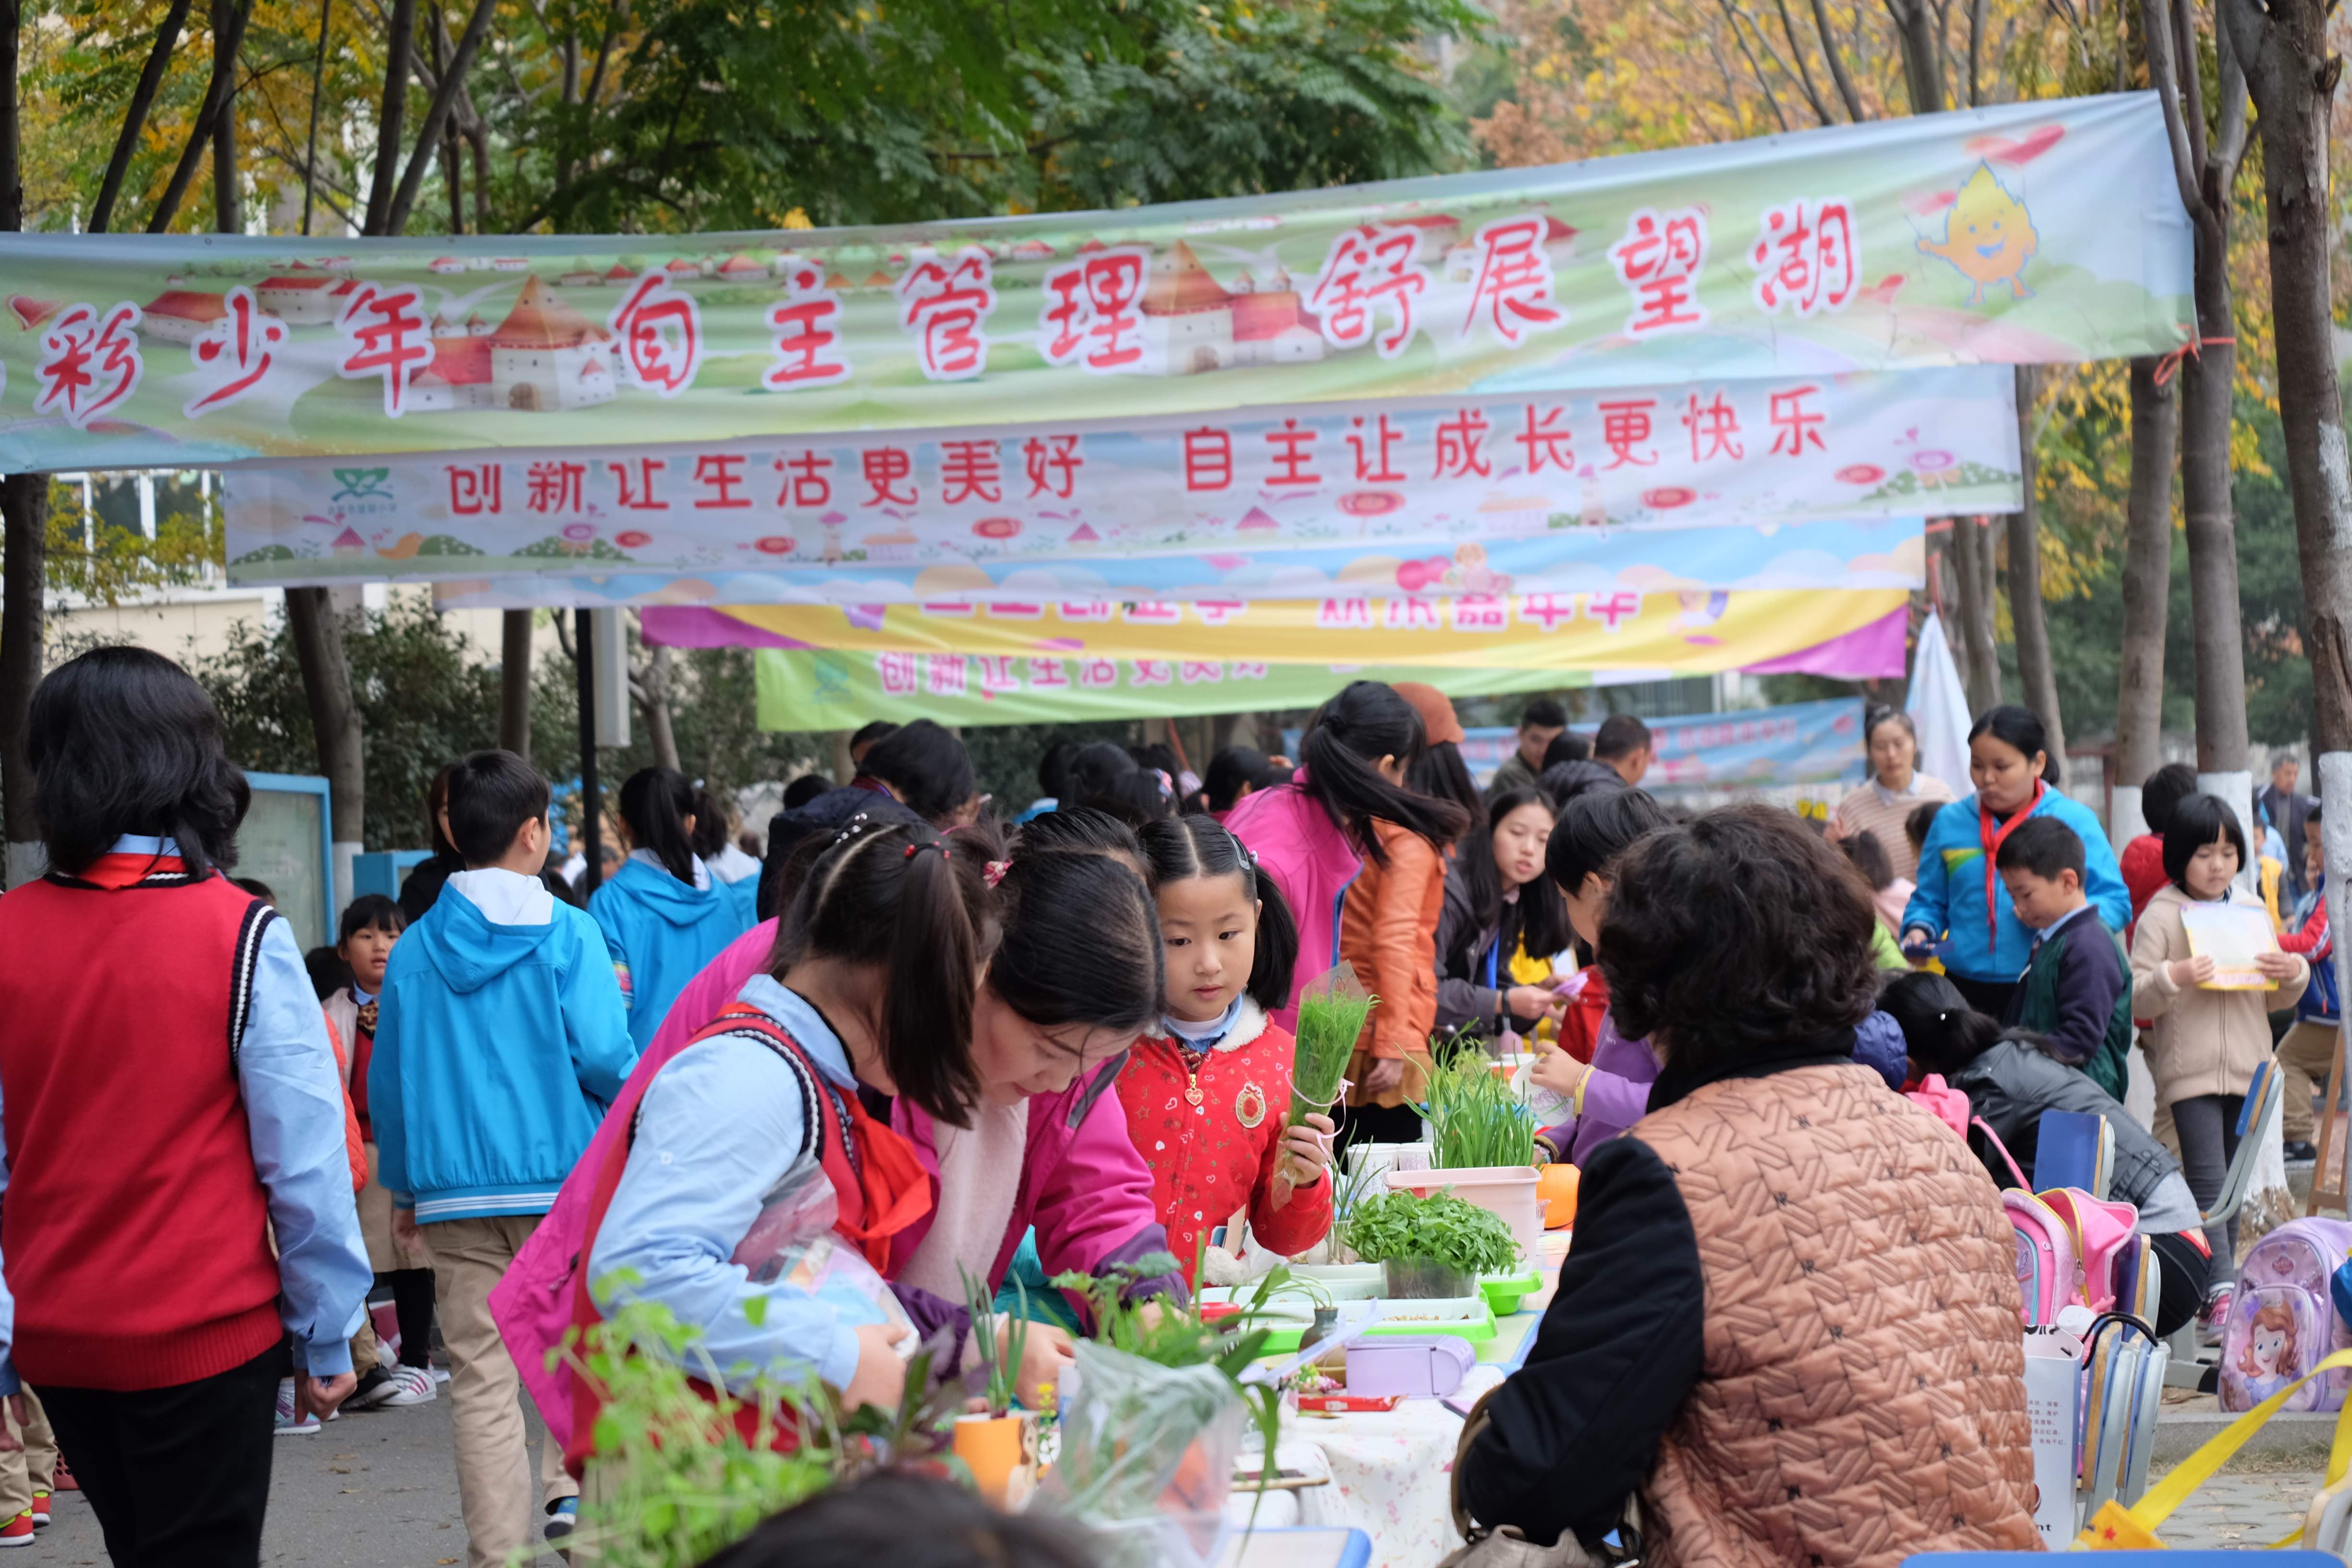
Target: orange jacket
[1388,929]
[352,1145]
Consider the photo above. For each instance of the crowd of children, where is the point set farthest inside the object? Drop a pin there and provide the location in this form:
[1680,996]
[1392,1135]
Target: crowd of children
[821,1105]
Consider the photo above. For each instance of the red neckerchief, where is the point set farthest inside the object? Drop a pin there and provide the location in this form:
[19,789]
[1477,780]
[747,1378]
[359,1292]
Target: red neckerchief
[114,872]
[1991,838]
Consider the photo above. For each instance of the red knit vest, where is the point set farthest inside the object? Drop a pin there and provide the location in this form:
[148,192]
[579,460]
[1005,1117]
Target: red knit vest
[135,1223]
[879,1188]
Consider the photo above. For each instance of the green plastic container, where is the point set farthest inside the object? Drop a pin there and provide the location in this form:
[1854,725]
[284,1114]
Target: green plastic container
[1504,1292]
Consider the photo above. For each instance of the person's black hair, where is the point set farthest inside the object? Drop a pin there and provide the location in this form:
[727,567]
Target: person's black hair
[1158,755]
[1231,771]
[491,796]
[1442,774]
[1620,735]
[1543,713]
[1078,828]
[1868,857]
[436,800]
[1567,746]
[1134,798]
[2043,845]
[870,734]
[804,789]
[1592,830]
[1340,752]
[1783,925]
[926,767]
[122,741]
[1199,845]
[2308,818]
[916,902]
[370,910]
[2021,728]
[1054,769]
[1941,1033]
[710,823]
[2161,791]
[1095,768]
[1537,918]
[2199,820]
[655,803]
[1081,942]
[908,1521]
[257,887]
[1921,818]
[554,881]
[328,972]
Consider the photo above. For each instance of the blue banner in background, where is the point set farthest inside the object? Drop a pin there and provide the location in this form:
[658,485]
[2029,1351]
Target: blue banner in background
[1803,742]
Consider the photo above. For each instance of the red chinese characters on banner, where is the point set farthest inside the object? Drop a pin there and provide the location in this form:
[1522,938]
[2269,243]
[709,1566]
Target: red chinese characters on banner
[555,486]
[1612,609]
[804,482]
[720,476]
[1549,611]
[1511,280]
[885,467]
[1368,270]
[474,490]
[1091,317]
[900,673]
[1458,443]
[1208,459]
[946,670]
[661,332]
[1796,424]
[640,495]
[969,470]
[1293,450]
[1051,464]
[385,334]
[1658,260]
[805,331]
[1625,425]
[1546,440]
[88,362]
[1714,428]
[1371,448]
[1808,258]
[233,353]
[947,303]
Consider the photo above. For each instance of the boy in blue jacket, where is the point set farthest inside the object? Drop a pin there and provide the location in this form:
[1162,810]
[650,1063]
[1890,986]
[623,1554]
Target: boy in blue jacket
[500,1040]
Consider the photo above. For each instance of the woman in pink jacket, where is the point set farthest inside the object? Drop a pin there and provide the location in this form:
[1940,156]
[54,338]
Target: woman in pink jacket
[1050,1029]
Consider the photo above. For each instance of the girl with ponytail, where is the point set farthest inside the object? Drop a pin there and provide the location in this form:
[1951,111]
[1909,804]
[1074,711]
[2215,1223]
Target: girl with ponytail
[1347,810]
[870,991]
[1207,1089]
[663,914]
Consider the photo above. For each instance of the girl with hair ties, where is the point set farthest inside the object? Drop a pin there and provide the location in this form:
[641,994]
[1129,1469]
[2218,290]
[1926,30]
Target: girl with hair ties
[663,914]
[1067,975]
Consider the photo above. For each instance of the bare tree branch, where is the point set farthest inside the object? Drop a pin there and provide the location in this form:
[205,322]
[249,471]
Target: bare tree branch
[216,97]
[1976,42]
[310,150]
[2156,34]
[399,62]
[2192,81]
[1804,71]
[1830,53]
[134,117]
[2230,143]
[1754,66]
[428,135]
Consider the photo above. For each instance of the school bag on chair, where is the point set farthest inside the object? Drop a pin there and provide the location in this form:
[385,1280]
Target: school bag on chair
[2283,1319]
[2102,1234]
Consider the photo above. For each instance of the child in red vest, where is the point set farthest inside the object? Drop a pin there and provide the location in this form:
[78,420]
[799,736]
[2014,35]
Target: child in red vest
[1208,1097]
[170,1102]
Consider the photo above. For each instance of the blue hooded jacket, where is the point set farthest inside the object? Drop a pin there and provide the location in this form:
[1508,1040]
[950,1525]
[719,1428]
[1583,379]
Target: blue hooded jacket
[661,932]
[1950,894]
[497,1049]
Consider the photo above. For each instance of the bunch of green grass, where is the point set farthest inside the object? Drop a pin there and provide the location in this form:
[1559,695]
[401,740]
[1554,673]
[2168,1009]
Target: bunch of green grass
[1474,1117]
[1331,1015]
[1003,1372]
[1399,1227]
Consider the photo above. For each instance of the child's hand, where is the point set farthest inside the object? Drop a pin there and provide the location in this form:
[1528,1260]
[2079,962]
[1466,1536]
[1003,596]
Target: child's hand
[403,1229]
[1047,1355]
[324,1396]
[2188,971]
[1557,1071]
[1306,1150]
[2275,965]
[1531,1001]
[881,1374]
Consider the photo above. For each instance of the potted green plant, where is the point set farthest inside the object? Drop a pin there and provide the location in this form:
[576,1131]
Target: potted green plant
[999,1442]
[1433,1246]
[1482,1140]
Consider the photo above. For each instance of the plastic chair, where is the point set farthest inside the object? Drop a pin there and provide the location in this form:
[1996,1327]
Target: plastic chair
[2264,1096]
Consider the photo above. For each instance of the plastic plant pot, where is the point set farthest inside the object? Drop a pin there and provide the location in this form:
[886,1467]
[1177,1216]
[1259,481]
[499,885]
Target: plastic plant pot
[1421,1280]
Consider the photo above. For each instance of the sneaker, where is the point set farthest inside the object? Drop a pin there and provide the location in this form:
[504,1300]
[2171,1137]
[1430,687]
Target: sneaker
[40,1510]
[18,1531]
[2215,1315]
[289,1423]
[61,1479]
[375,1386]
[2300,1150]
[562,1517]
[440,1372]
[411,1386]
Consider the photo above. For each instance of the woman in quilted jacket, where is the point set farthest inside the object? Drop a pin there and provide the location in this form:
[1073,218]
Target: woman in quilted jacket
[1790,1321]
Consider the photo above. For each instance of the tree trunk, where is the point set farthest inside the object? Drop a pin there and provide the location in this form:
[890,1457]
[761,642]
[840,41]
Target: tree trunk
[1959,565]
[25,505]
[2214,617]
[2147,590]
[401,38]
[334,720]
[1923,57]
[2025,617]
[1972,610]
[310,147]
[514,682]
[227,30]
[436,115]
[134,118]
[652,691]
[229,17]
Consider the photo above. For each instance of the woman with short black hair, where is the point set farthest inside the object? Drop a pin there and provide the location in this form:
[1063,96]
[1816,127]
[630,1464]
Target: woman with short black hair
[1780,1222]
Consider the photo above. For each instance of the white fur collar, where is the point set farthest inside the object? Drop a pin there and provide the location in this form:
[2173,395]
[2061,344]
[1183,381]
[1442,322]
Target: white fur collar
[1249,1022]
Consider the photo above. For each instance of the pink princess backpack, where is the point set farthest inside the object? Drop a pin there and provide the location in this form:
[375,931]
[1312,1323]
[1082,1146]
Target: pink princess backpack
[2283,1320]
[2072,1249]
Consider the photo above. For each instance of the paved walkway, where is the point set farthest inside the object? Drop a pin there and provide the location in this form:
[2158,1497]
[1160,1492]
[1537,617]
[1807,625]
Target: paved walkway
[2242,1510]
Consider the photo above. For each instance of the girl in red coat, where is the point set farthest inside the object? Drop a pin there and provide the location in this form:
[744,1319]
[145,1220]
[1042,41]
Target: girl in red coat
[1208,1097]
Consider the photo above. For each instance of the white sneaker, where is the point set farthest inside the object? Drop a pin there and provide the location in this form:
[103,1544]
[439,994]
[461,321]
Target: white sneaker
[415,1387]
[288,1425]
[440,1372]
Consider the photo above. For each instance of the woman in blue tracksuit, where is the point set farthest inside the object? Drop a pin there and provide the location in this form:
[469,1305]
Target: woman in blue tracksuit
[1959,900]
[663,914]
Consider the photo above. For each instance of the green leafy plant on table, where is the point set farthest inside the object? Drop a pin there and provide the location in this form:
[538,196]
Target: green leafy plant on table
[1002,1373]
[1475,1118]
[1331,1015]
[1441,1229]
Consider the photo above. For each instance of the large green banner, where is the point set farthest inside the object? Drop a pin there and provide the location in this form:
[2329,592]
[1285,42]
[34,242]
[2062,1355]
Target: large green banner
[2033,233]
